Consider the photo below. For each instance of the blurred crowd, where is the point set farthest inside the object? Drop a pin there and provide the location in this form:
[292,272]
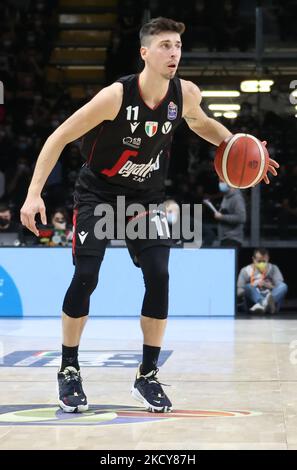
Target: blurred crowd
[192,177]
[33,108]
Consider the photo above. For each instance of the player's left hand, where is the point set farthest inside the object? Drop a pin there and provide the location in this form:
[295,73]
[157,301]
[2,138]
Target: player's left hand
[271,167]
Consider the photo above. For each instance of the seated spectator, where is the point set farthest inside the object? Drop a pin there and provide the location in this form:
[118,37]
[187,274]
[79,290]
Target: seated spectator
[8,226]
[231,216]
[261,284]
[57,233]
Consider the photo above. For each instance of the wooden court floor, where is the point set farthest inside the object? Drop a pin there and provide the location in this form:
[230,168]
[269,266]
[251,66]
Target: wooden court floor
[232,383]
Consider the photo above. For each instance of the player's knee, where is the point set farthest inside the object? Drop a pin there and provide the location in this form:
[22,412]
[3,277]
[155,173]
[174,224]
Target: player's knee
[87,282]
[155,303]
[77,299]
[156,275]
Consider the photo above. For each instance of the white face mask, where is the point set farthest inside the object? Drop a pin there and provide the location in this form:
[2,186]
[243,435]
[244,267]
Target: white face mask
[224,188]
[171,217]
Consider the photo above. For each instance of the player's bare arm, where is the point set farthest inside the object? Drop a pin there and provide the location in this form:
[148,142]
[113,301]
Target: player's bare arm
[206,127]
[104,106]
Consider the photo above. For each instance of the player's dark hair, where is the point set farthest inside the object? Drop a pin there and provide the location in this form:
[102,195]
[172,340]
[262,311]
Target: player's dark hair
[262,251]
[157,26]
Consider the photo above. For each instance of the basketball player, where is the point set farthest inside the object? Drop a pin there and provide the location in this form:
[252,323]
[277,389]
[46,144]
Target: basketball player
[127,128]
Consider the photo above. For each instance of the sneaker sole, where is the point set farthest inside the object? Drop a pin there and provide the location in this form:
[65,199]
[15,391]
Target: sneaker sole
[73,409]
[151,408]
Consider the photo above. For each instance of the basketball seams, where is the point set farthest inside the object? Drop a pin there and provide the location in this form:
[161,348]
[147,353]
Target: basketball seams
[262,164]
[225,158]
[244,160]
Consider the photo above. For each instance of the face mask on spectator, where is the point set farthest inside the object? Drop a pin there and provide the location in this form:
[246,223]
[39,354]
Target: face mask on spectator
[3,222]
[224,188]
[171,217]
[261,266]
[60,223]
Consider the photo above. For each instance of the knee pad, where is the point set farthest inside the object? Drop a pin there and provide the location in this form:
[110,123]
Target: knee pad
[156,280]
[77,299]
[155,302]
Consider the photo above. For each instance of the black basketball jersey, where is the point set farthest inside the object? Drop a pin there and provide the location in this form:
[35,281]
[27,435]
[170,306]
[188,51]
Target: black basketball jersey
[131,153]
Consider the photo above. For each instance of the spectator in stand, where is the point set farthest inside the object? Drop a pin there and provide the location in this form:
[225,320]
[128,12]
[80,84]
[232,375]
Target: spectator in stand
[231,216]
[8,226]
[261,284]
[58,233]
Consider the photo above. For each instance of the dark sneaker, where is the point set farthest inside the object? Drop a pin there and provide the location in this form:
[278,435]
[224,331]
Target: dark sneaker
[147,389]
[71,395]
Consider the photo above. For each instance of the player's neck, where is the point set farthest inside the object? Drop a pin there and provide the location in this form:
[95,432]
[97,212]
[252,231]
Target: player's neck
[153,88]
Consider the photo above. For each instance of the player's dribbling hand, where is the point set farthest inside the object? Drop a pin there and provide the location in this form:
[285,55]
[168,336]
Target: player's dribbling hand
[31,207]
[271,167]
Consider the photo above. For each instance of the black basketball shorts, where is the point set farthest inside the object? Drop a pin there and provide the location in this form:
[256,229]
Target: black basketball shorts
[94,227]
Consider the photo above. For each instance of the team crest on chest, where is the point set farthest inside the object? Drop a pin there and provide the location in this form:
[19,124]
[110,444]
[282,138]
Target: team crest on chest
[172,111]
[151,128]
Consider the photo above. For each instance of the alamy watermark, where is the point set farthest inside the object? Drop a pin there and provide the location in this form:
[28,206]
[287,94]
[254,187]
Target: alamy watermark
[133,221]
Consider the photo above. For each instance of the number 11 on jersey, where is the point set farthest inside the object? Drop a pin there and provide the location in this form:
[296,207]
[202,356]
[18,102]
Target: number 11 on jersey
[135,113]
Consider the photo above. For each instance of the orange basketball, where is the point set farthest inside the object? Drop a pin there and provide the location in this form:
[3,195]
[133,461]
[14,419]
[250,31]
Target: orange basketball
[241,161]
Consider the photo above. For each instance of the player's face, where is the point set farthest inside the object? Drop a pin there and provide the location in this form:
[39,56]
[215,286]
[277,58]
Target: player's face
[163,54]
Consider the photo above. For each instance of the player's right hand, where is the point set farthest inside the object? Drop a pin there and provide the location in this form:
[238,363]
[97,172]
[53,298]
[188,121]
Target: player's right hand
[32,206]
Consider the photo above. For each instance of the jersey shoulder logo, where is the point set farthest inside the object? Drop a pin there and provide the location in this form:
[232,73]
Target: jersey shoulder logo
[172,111]
[151,128]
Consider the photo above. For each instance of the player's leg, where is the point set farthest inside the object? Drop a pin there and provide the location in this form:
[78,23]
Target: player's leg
[72,329]
[75,313]
[154,265]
